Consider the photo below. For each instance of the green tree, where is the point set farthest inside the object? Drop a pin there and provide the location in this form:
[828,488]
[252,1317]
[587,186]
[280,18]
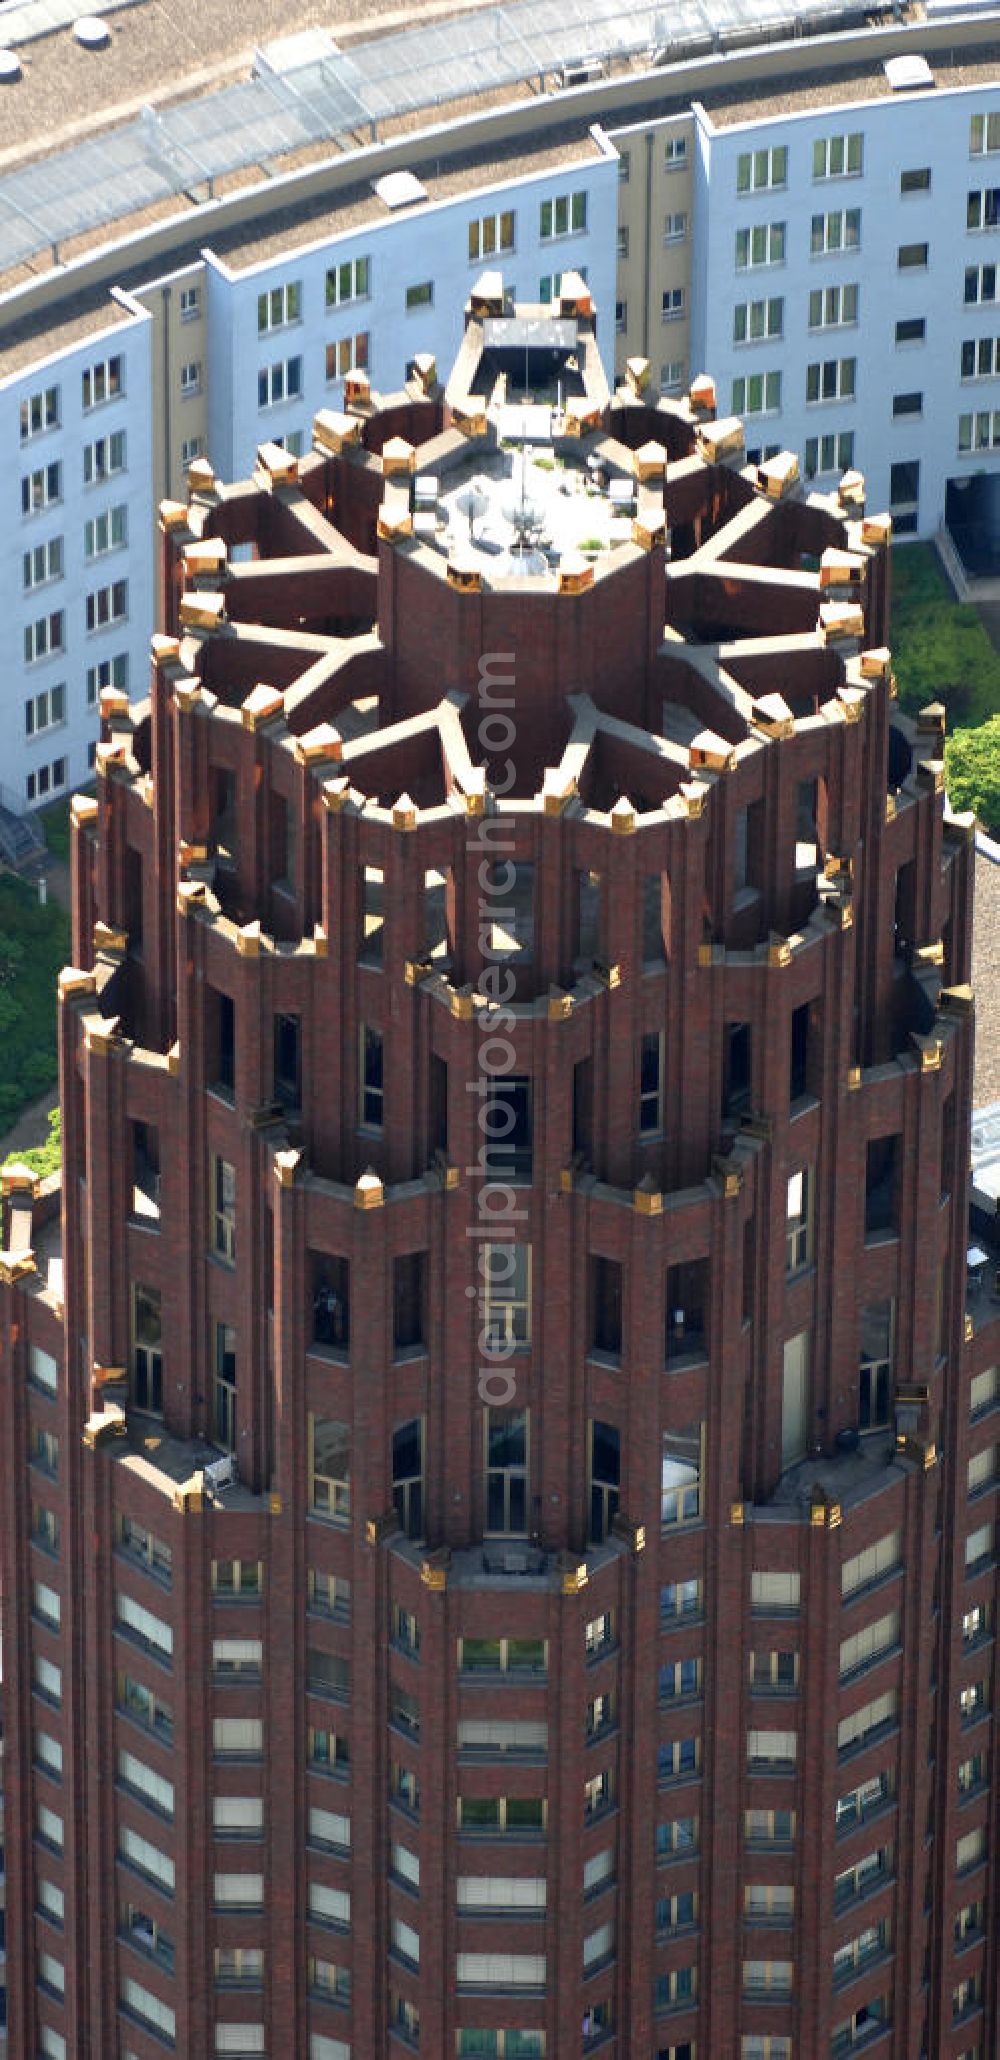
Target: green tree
[972,771]
[43,1158]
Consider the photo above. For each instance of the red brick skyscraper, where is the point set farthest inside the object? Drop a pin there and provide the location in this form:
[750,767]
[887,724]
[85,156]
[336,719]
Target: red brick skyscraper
[498,1486]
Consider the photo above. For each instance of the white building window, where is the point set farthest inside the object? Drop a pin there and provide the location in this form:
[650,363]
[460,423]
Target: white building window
[103,381]
[984,134]
[42,563]
[106,532]
[45,711]
[673,375]
[144,1781]
[762,245]
[832,379]
[107,605]
[838,157]
[675,152]
[980,285]
[489,234]
[980,358]
[46,779]
[675,226]
[146,1859]
[46,1603]
[192,447]
[863,1647]
[190,303]
[833,307]
[44,637]
[104,457]
[500,1970]
[753,320]
[982,209]
[329,1905]
[872,1564]
[979,432]
[110,672]
[238,1816]
[758,393]
[279,382]
[565,215]
[672,304]
[828,453]
[350,280]
[39,412]
[836,231]
[190,379]
[140,2002]
[41,489]
[238,1891]
[853,1731]
[279,306]
[348,354]
[757,170]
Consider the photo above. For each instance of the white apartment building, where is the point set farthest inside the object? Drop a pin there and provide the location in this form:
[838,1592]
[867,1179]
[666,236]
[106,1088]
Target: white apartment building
[255,343]
[845,288]
[776,213]
[831,259]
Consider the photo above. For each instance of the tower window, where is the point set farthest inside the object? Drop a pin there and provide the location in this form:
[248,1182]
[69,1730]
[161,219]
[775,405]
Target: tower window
[506,1293]
[224,1394]
[408,1475]
[651,1083]
[330,1487]
[606,1289]
[287,1062]
[605,1479]
[685,1317]
[147,1362]
[409,1273]
[507,1470]
[881,1199]
[331,1300]
[505,1121]
[371,1114]
[372,941]
[681,1475]
[736,1093]
[875,1364]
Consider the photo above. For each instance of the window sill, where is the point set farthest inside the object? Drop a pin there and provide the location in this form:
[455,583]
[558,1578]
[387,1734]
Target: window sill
[864,1894]
[893,1573]
[143,1566]
[860,1745]
[679,1362]
[848,1825]
[867,1666]
[333,1355]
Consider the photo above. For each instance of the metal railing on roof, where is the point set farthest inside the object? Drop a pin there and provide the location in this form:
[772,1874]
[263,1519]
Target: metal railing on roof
[343,97]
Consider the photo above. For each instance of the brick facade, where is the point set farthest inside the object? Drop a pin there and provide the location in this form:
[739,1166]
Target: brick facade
[800,996]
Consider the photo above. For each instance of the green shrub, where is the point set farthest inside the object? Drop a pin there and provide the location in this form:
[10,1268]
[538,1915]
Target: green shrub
[972,772]
[43,1158]
[940,650]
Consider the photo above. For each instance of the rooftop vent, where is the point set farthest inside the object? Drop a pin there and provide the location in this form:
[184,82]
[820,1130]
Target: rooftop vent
[10,67]
[399,189]
[907,74]
[92,32]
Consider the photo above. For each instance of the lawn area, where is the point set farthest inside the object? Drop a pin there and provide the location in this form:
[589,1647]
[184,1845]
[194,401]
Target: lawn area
[34,943]
[940,649]
[55,827]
